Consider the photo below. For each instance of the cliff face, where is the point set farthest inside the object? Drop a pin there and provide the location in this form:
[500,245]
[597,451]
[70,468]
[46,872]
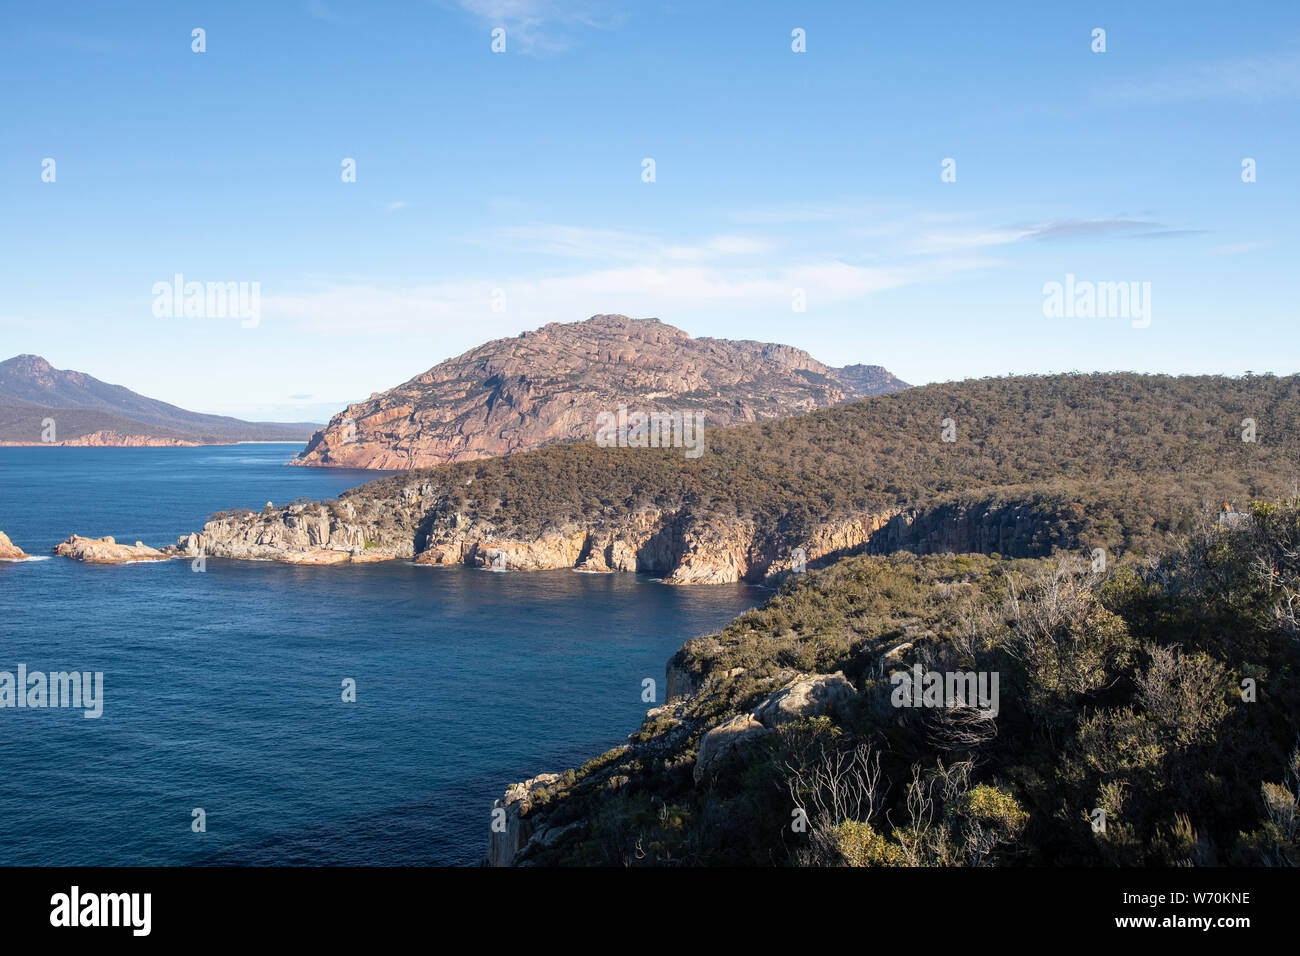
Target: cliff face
[549,385]
[682,546]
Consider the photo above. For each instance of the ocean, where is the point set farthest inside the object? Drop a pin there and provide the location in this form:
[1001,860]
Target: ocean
[223,689]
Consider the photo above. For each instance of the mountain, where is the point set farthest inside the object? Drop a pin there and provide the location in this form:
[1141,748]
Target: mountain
[88,411]
[549,385]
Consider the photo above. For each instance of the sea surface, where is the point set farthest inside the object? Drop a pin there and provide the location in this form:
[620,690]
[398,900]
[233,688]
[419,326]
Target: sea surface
[223,689]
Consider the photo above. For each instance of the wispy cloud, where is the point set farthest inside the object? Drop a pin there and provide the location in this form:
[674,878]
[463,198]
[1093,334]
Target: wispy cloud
[542,27]
[318,10]
[612,245]
[642,274]
[394,206]
[1252,80]
[1236,249]
[956,238]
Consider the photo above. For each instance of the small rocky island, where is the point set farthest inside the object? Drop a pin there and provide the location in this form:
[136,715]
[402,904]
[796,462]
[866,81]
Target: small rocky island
[107,551]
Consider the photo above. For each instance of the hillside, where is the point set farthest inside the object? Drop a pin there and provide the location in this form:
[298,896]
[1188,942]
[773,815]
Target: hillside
[549,385]
[1121,462]
[86,410]
[1137,717]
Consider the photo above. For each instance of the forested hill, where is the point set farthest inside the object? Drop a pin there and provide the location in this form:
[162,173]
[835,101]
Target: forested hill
[1019,466]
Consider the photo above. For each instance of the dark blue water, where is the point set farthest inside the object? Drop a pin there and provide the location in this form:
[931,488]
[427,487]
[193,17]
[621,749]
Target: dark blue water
[222,689]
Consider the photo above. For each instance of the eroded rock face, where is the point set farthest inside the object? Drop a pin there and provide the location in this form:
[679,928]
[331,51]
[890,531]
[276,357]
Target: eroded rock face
[505,843]
[8,550]
[302,533]
[549,385]
[106,551]
[415,521]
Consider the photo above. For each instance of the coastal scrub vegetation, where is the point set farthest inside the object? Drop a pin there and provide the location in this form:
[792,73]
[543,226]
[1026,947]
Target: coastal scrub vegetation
[1121,461]
[1146,716]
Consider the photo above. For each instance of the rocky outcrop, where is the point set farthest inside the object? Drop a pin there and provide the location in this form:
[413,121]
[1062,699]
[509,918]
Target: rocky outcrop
[808,695]
[510,832]
[106,551]
[10,551]
[726,738]
[305,533]
[549,385]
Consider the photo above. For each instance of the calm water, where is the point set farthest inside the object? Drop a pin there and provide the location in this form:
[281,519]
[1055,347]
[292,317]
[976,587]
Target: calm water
[222,688]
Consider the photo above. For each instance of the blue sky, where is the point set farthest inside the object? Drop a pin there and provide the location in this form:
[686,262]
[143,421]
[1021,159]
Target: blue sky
[522,171]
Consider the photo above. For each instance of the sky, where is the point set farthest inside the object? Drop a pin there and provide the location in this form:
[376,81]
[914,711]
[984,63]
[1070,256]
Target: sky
[901,192]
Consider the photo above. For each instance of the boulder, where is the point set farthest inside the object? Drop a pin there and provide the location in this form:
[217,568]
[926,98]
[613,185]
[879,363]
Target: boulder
[8,550]
[724,739]
[809,695]
[805,695]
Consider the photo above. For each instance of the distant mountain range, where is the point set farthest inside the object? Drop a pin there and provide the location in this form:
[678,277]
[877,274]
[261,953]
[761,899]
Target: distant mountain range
[550,385]
[86,411]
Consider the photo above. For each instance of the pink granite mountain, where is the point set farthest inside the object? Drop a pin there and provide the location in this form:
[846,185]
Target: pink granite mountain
[550,385]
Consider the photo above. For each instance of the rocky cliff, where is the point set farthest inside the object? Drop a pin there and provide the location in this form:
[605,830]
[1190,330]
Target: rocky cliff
[550,385]
[682,546]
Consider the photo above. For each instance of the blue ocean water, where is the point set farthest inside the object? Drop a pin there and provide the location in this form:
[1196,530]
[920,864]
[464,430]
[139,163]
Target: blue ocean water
[222,689]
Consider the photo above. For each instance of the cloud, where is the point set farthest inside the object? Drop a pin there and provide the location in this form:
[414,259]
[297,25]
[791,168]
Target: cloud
[1239,248]
[318,10]
[638,273]
[368,307]
[1252,80]
[612,245]
[1089,228]
[953,240]
[543,27]
[394,206]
